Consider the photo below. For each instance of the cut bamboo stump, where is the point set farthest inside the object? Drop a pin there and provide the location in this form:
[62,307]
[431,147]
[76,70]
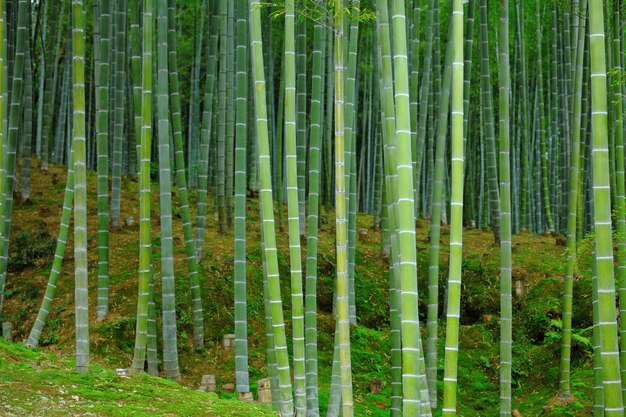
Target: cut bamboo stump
[229,342]
[208,383]
[265,392]
[376,386]
[246,397]
[7,331]
[519,288]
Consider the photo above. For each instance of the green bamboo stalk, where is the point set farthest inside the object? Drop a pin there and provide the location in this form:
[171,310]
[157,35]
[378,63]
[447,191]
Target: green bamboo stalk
[414,24]
[467,67]
[241,138]
[435,226]
[291,158]
[270,352]
[301,128]
[3,124]
[434,93]
[602,215]
[350,138]
[267,212]
[221,134]
[574,180]
[412,372]
[487,97]
[525,139]
[230,116]
[170,350]
[194,102]
[151,335]
[118,111]
[27,126]
[54,68]
[61,127]
[278,162]
[80,188]
[145,267]
[315,135]
[620,203]
[423,105]
[102,137]
[327,153]
[341,220]
[181,182]
[9,151]
[59,254]
[41,78]
[506,302]
[598,388]
[555,133]
[542,131]
[135,67]
[388,239]
[207,131]
[390,227]
[456,217]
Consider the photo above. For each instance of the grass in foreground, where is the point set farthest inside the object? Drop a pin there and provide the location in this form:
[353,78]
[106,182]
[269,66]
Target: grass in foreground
[37,384]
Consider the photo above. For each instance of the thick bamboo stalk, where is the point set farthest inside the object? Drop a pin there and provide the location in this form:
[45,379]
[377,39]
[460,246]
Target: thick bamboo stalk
[285,399]
[414,386]
[295,258]
[574,181]
[241,141]
[456,225]
[102,138]
[80,189]
[315,135]
[506,297]
[59,254]
[181,182]
[145,247]
[170,350]
[602,215]
[343,319]
[119,99]
[487,97]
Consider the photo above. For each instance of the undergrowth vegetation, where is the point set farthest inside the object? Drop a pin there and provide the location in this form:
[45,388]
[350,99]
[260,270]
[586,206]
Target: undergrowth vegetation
[537,264]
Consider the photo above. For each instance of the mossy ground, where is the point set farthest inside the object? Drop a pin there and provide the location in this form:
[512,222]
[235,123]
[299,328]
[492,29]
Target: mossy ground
[38,384]
[538,265]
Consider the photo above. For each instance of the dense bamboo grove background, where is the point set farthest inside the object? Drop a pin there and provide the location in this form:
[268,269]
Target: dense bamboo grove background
[506,116]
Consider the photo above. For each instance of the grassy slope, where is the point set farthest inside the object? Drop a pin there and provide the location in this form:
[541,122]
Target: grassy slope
[538,265]
[37,384]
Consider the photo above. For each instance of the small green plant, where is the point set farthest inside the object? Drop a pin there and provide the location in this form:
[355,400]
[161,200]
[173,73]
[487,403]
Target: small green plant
[580,338]
[29,248]
[50,334]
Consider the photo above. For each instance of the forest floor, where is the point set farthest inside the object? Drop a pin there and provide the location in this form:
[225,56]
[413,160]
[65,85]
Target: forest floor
[538,267]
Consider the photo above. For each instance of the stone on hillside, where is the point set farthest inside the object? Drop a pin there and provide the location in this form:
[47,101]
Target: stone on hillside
[228,388]
[376,386]
[229,341]
[265,392]
[208,383]
[519,288]
[7,331]
[246,397]
[208,379]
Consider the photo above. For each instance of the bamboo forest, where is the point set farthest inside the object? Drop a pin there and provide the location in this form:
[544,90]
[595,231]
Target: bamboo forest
[305,208]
